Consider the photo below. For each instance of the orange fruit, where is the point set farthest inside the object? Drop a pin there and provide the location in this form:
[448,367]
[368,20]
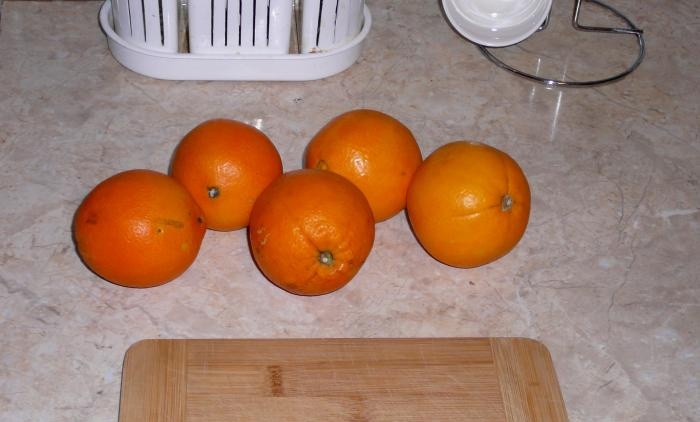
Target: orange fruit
[374,151]
[138,228]
[310,231]
[468,204]
[225,164]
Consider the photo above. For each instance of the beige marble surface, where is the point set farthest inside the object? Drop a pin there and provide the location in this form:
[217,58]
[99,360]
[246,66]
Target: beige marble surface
[607,275]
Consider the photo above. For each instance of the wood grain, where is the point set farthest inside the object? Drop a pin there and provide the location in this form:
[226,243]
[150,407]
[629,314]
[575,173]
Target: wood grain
[344,380]
[529,386]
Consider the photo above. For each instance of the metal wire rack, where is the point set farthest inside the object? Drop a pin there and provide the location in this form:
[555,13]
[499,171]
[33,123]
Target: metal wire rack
[631,29]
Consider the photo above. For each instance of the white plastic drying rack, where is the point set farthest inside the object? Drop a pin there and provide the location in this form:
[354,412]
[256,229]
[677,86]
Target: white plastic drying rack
[242,64]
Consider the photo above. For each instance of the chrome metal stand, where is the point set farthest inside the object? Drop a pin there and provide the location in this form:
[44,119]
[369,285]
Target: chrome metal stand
[630,30]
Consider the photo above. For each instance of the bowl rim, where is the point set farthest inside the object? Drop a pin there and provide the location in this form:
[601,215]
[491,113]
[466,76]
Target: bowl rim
[496,36]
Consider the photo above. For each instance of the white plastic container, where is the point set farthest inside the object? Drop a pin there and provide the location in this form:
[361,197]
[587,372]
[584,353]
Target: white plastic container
[496,23]
[257,49]
[329,24]
[148,24]
[247,27]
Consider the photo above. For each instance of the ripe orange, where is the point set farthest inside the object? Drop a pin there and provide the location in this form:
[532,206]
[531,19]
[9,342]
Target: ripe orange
[138,228]
[310,231]
[468,204]
[225,164]
[374,151]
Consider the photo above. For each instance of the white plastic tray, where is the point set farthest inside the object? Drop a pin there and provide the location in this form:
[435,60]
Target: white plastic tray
[240,67]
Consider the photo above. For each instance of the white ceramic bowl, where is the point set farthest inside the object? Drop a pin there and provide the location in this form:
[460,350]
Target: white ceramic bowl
[496,23]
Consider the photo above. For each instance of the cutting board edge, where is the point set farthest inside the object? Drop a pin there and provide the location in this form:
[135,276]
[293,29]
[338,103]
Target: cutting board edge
[137,343]
[526,374]
[171,377]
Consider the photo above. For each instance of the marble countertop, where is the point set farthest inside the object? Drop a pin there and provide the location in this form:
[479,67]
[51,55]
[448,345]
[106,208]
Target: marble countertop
[607,274]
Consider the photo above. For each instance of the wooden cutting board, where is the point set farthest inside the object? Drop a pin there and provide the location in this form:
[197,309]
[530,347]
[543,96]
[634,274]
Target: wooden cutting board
[340,380]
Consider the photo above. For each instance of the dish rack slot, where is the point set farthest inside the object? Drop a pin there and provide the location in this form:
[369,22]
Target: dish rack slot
[239,26]
[327,24]
[151,24]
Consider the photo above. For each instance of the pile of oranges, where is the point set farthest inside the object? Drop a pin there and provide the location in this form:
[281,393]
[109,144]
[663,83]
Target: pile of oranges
[310,230]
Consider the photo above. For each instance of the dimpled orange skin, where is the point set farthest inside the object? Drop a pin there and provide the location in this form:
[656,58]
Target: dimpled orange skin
[468,204]
[225,164]
[310,231]
[374,151]
[138,228]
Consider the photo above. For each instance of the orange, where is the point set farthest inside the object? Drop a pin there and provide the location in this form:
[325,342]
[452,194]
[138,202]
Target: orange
[225,164]
[310,231]
[468,204]
[374,151]
[138,228]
